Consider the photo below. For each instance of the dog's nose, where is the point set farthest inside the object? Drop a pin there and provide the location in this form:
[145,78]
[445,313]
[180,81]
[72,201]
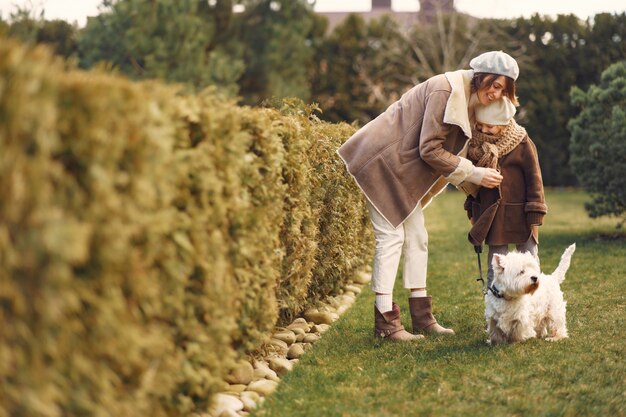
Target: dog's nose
[533,279]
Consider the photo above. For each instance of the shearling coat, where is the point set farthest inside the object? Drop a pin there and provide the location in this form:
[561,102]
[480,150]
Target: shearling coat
[510,213]
[409,153]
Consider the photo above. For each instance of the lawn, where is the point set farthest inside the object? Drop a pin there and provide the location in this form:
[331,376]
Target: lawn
[350,373]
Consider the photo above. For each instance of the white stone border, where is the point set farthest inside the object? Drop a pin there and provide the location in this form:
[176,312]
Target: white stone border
[251,381]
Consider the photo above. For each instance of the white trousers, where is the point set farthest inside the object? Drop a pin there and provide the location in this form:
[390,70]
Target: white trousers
[409,239]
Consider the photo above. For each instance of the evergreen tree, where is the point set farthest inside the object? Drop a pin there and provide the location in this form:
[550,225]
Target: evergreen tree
[384,72]
[278,36]
[4,27]
[30,26]
[344,79]
[60,35]
[598,142]
[24,24]
[178,41]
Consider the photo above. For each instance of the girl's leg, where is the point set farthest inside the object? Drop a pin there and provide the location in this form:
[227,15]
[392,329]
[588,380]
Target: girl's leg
[530,246]
[493,249]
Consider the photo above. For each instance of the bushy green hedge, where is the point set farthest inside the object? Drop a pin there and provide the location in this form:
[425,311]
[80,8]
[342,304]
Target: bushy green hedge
[150,238]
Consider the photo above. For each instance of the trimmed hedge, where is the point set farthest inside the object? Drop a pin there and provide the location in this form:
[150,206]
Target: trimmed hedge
[151,238]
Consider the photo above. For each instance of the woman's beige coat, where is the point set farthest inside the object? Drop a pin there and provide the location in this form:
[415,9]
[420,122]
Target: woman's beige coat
[410,152]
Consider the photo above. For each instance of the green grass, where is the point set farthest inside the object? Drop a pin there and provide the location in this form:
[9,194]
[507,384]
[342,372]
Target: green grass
[350,373]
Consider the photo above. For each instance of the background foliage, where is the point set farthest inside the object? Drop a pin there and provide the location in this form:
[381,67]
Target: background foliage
[281,48]
[185,42]
[599,142]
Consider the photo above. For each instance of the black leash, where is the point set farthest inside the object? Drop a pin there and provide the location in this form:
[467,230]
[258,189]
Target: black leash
[479,249]
[485,287]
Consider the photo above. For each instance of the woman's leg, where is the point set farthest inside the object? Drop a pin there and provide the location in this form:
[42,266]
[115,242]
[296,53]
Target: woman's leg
[389,241]
[414,275]
[415,252]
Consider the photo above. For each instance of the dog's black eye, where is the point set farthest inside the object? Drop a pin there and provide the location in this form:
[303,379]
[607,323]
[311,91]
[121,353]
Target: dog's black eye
[522,272]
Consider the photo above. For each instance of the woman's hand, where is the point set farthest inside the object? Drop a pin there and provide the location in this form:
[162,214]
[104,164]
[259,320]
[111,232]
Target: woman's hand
[491,179]
[485,177]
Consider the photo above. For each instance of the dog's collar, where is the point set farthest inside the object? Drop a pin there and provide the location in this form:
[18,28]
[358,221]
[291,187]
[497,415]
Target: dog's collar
[494,290]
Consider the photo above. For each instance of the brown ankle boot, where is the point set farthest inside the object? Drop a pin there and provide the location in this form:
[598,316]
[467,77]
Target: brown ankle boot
[423,320]
[387,326]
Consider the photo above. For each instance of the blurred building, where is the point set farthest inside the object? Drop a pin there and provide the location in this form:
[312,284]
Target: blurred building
[427,13]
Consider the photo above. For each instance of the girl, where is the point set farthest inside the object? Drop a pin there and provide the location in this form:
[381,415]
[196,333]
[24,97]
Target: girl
[511,212]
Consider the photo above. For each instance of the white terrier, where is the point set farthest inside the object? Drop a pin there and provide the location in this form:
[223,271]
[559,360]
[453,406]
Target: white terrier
[522,302]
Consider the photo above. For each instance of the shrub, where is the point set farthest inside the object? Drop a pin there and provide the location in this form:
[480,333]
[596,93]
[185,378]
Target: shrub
[149,237]
[598,142]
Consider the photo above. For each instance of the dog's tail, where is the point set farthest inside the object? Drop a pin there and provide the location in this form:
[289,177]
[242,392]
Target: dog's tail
[559,272]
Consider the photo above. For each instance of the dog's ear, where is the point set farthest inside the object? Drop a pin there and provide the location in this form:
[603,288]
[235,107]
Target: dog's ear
[498,263]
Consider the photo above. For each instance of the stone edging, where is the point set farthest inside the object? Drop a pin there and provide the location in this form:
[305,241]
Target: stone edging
[251,381]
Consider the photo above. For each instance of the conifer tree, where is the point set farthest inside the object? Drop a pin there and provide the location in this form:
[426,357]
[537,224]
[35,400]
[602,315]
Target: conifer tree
[29,25]
[279,37]
[178,41]
[337,85]
[598,142]
[60,35]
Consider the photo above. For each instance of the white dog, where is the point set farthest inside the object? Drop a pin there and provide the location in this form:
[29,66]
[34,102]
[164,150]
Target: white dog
[523,303]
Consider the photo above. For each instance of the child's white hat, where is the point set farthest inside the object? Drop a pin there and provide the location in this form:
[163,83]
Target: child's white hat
[498,112]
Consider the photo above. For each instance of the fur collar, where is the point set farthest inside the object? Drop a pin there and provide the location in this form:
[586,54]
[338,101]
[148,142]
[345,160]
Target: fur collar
[457,112]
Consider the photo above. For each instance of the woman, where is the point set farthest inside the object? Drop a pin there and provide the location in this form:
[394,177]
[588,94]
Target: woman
[405,157]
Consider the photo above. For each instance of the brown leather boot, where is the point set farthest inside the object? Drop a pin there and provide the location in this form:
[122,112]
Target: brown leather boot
[387,326]
[423,320]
